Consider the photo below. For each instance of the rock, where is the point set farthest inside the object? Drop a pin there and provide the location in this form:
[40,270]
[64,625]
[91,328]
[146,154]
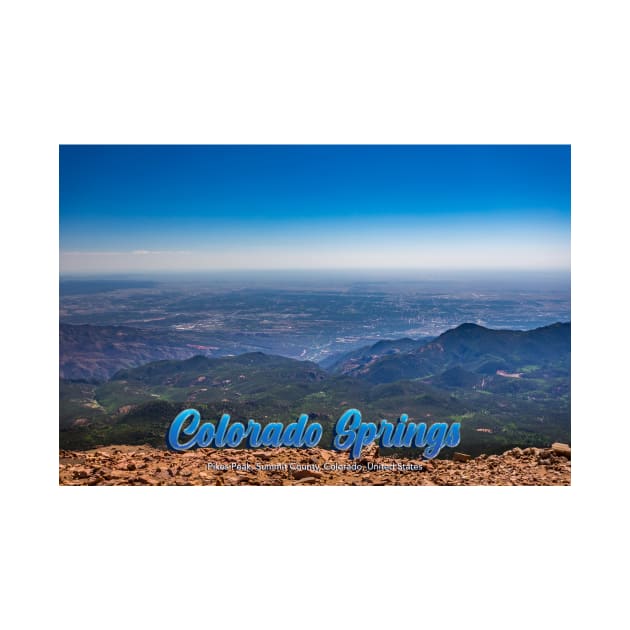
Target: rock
[303,474]
[325,455]
[561,449]
[371,451]
[539,467]
[307,480]
[461,457]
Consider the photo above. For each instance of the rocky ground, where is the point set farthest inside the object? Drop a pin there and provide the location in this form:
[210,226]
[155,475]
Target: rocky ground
[147,466]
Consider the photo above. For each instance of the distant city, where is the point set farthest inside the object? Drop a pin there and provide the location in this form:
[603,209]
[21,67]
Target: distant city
[313,316]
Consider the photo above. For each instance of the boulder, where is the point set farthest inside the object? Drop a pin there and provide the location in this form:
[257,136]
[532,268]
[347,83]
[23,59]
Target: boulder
[461,457]
[561,449]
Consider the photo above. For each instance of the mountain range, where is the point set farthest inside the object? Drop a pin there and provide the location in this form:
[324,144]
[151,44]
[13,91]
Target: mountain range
[508,388]
[469,346]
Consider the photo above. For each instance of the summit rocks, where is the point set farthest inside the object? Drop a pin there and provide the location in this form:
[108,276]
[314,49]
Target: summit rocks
[148,466]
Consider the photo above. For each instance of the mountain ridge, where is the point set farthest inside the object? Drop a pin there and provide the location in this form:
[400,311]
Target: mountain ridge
[470,346]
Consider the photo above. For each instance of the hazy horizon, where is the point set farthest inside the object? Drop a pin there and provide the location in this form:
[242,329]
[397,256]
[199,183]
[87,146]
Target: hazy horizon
[424,209]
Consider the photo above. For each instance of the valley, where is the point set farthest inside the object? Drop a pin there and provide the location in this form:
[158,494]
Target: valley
[459,376]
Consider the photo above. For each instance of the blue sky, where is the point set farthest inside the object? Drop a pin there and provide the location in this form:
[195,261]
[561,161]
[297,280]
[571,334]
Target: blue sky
[191,208]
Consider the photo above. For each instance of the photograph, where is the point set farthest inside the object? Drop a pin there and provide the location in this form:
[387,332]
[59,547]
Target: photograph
[340,315]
